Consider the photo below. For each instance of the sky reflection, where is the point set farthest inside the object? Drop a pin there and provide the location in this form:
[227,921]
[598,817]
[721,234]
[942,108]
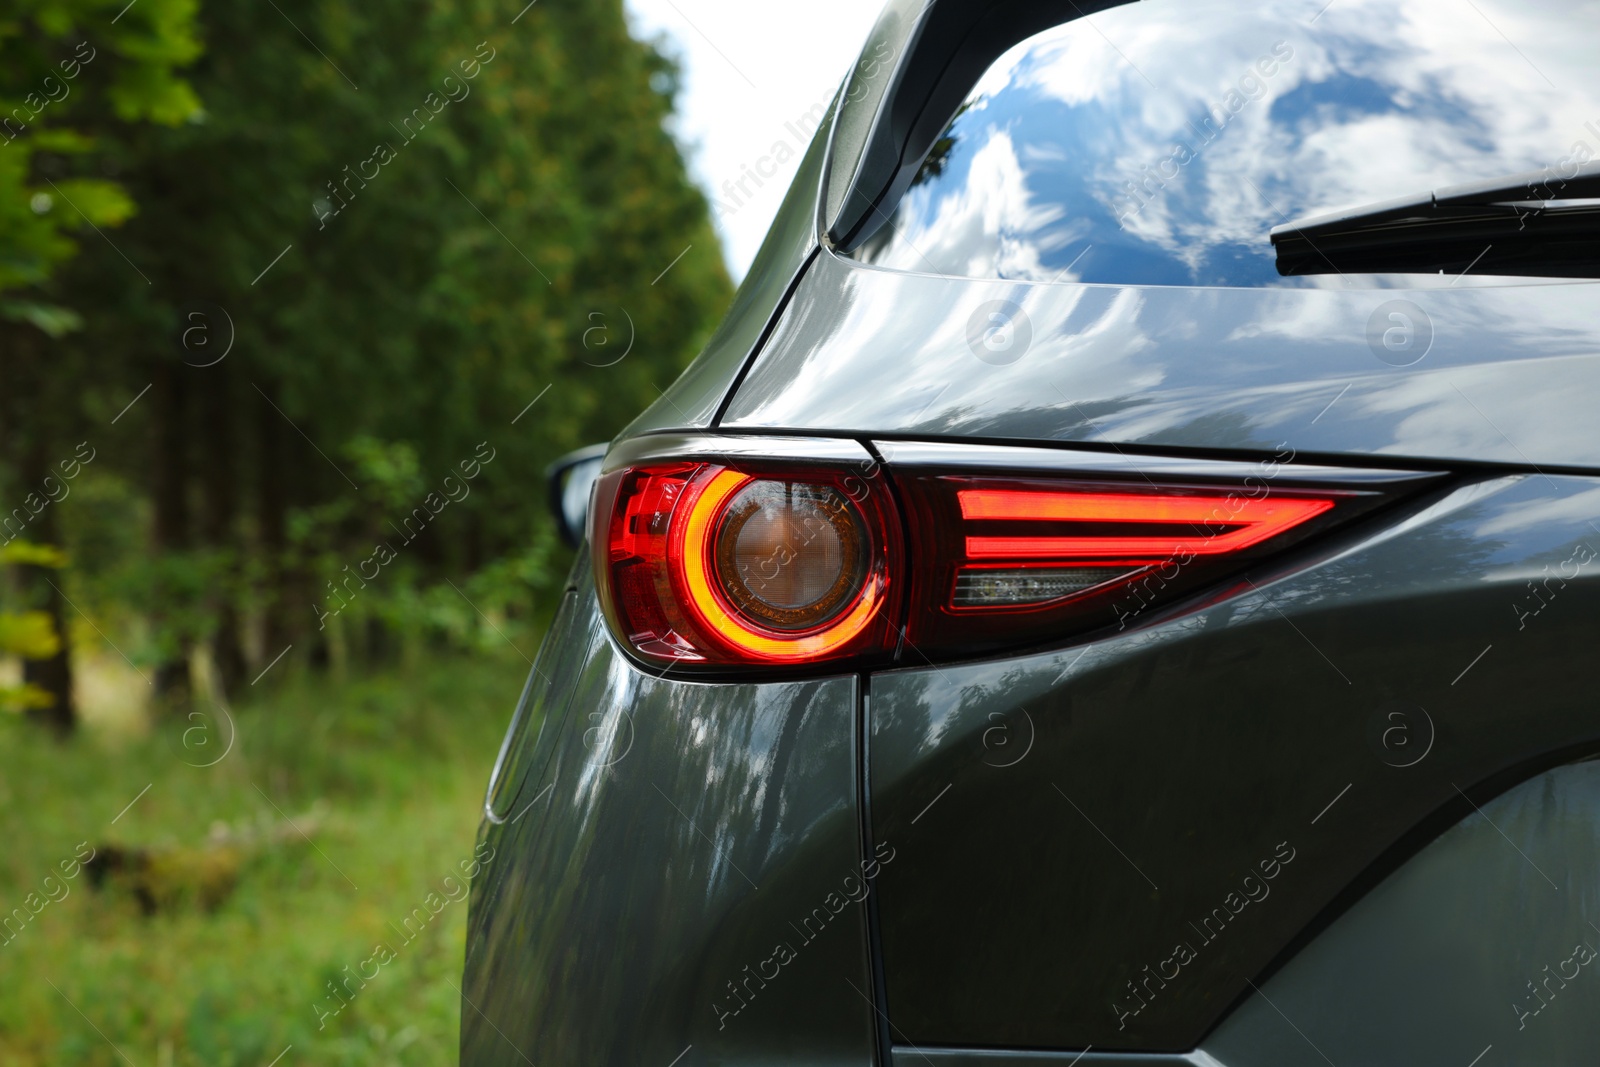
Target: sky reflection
[1157,143]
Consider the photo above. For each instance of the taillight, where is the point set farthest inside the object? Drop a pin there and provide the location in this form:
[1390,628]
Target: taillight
[728,565]
[1006,561]
[783,554]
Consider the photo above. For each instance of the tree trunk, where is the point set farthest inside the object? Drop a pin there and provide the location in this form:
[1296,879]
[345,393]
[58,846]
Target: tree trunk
[171,512]
[272,507]
[26,430]
[221,501]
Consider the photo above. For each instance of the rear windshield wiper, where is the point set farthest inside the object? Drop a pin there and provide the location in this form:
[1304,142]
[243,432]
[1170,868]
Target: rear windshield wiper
[1531,224]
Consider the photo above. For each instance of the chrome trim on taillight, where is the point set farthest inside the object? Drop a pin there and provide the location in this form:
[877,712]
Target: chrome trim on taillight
[830,450]
[959,456]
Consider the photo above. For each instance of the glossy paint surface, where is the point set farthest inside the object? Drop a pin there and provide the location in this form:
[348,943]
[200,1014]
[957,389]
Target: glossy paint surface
[1485,941]
[1498,374]
[681,878]
[909,1057]
[1105,845]
[540,711]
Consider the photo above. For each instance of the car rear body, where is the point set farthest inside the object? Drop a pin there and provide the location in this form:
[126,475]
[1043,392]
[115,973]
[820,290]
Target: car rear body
[1326,801]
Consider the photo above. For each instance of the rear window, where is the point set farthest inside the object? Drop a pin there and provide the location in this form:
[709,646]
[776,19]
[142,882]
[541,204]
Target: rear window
[1158,143]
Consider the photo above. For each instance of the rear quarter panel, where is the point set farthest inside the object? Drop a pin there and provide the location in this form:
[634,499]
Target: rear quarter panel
[1223,777]
[642,885]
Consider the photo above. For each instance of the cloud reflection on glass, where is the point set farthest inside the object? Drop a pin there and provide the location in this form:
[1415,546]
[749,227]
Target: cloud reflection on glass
[1142,148]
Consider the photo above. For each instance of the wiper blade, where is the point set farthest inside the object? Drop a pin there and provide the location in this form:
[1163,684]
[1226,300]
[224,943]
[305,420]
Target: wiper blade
[1534,223]
[1512,194]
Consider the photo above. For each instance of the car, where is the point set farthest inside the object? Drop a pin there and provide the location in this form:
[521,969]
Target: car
[1118,588]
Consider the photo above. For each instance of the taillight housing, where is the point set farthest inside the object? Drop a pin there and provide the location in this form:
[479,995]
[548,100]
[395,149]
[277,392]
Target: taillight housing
[780,555]
[1005,560]
[725,564]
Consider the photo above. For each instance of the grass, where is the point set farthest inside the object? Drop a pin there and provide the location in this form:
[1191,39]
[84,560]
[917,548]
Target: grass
[253,919]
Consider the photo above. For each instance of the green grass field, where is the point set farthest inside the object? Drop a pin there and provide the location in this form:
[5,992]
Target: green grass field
[339,809]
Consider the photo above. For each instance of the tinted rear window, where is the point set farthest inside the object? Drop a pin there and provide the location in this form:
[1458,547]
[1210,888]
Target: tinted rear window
[1157,143]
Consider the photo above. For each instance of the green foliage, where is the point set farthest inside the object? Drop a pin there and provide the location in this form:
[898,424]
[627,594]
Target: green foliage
[54,54]
[52,321]
[28,634]
[393,287]
[27,552]
[390,471]
[386,279]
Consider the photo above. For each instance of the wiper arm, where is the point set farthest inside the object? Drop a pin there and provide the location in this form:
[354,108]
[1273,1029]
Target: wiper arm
[1534,223]
[1514,195]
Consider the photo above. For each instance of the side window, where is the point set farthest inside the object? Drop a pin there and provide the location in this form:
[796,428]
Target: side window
[1490,936]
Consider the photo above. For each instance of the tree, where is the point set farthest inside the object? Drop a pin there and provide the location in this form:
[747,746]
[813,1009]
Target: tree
[71,72]
[399,227]
[67,68]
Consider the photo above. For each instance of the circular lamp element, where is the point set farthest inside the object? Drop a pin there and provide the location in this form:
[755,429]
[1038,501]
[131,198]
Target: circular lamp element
[790,555]
[780,571]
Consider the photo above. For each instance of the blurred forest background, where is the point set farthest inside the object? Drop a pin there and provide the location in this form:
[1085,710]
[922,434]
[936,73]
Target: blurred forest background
[297,300]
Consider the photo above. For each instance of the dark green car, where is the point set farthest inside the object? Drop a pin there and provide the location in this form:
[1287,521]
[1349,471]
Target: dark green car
[1120,587]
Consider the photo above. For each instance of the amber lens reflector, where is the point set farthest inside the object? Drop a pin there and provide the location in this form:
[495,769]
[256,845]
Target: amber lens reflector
[791,555]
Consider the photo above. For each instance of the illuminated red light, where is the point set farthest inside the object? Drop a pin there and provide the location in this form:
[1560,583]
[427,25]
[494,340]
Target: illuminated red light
[1011,559]
[771,564]
[720,566]
[697,556]
[1217,524]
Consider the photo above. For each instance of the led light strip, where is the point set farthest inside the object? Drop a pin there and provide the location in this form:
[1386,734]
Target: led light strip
[1254,521]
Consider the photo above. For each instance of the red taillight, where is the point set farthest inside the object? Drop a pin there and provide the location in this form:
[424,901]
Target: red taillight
[725,563]
[1153,525]
[726,566]
[1005,561]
